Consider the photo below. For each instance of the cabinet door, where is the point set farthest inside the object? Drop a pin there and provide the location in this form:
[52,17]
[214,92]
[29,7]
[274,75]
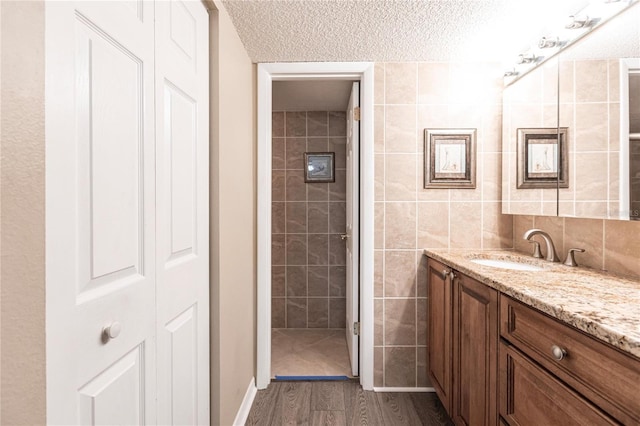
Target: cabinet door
[531,396]
[439,330]
[475,348]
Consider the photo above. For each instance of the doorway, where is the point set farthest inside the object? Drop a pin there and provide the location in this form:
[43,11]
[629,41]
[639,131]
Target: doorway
[314,186]
[359,237]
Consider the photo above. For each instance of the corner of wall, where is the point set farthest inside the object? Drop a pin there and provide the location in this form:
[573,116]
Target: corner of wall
[233,218]
[23,363]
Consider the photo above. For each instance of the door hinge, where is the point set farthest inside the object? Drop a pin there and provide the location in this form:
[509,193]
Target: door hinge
[356,113]
[356,328]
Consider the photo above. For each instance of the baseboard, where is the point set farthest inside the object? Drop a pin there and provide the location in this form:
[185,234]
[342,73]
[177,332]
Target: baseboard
[388,389]
[247,402]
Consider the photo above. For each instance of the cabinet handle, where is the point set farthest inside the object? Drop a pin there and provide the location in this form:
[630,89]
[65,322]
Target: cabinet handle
[111,331]
[445,272]
[558,352]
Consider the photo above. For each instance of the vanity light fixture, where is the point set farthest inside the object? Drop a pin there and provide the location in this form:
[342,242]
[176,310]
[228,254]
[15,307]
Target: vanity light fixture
[577,26]
[548,42]
[511,73]
[576,21]
[526,58]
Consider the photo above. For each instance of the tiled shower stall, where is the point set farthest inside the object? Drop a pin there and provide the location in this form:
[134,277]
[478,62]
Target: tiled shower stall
[308,254]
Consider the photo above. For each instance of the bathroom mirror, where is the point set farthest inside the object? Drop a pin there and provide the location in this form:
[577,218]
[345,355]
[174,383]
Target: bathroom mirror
[592,90]
[531,104]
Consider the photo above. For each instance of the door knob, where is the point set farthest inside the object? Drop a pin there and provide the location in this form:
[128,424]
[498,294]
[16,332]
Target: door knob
[111,331]
[344,236]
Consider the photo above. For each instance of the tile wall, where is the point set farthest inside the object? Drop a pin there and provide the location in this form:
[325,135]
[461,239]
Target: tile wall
[308,255]
[589,93]
[410,97]
[611,245]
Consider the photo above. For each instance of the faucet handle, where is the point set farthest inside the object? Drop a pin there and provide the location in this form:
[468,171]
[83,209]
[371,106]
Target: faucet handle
[536,249]
[571,260]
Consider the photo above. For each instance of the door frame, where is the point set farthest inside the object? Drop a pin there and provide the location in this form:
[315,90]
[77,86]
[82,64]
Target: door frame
[267,73]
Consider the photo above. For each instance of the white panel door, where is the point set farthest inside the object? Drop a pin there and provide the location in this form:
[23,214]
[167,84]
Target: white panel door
[353,237]
[100,220]
[182,173]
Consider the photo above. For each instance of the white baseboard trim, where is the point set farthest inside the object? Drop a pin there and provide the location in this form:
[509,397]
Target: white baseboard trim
[247,402]
[388,389]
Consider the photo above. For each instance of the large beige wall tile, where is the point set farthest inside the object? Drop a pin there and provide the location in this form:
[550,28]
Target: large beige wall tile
[521,224]
[400,367]
[592,133]
[433,83]
[466,225]
[400,273]
[622,247]
[400,225]
[433,225]
[400,177]
[587,234]
[400,83]
[400,128]
[400,322]
[591,177]
[497,229]
[592,83]
[554,226]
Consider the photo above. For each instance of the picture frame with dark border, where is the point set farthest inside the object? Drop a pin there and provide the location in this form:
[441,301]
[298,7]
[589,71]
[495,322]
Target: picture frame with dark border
[319,167]
[450,158]
[540,151]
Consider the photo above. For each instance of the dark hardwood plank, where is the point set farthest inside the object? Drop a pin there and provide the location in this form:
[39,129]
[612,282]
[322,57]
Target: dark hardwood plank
[295,403]
[264,406]
[291,403]
[328,418]
[361,407]
[397,409]
[429,409]
[327,396]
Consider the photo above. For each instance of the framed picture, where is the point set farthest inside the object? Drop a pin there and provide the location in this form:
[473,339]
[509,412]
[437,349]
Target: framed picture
[319,167]
[450,158]
[542,158]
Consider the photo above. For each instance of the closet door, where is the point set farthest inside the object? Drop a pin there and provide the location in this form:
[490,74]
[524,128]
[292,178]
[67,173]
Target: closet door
[182,176]
[100,218]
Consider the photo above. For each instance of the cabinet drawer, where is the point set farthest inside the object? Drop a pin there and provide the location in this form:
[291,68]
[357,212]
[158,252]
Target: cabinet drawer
[604,375]
[531,396]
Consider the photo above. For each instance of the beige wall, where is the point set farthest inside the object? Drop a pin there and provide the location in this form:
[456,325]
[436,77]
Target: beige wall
[308,273]
[611,245]
[233,220]
[22,229]
[410,97]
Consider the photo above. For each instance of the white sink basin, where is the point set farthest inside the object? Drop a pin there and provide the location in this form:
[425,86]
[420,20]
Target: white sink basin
[506,264]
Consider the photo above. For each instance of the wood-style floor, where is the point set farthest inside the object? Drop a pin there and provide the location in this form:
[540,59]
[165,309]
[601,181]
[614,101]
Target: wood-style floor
[343,403]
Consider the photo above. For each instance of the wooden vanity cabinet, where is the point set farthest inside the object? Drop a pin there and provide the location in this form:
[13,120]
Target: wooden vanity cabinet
[439,330]
[594,377]
[475,352]
[463,345]
[529,395]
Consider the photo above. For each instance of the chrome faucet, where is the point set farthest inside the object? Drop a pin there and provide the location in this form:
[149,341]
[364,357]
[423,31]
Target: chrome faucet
[552,256]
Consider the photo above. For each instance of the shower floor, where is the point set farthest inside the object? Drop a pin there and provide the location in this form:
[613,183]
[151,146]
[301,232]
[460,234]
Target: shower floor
[309,352]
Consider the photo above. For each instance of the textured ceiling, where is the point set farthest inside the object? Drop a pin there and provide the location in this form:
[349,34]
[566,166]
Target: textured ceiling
[376,30]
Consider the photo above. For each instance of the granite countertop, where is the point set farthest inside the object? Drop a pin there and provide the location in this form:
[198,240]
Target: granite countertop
[602,305]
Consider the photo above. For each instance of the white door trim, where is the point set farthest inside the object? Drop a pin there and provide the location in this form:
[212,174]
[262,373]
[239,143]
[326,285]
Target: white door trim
[267,73]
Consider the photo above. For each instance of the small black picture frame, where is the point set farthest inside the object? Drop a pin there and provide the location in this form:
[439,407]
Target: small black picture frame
[319,167]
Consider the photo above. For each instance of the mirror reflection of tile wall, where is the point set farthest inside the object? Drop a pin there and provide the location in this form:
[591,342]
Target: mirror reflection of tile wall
[531,102]
[590,106]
